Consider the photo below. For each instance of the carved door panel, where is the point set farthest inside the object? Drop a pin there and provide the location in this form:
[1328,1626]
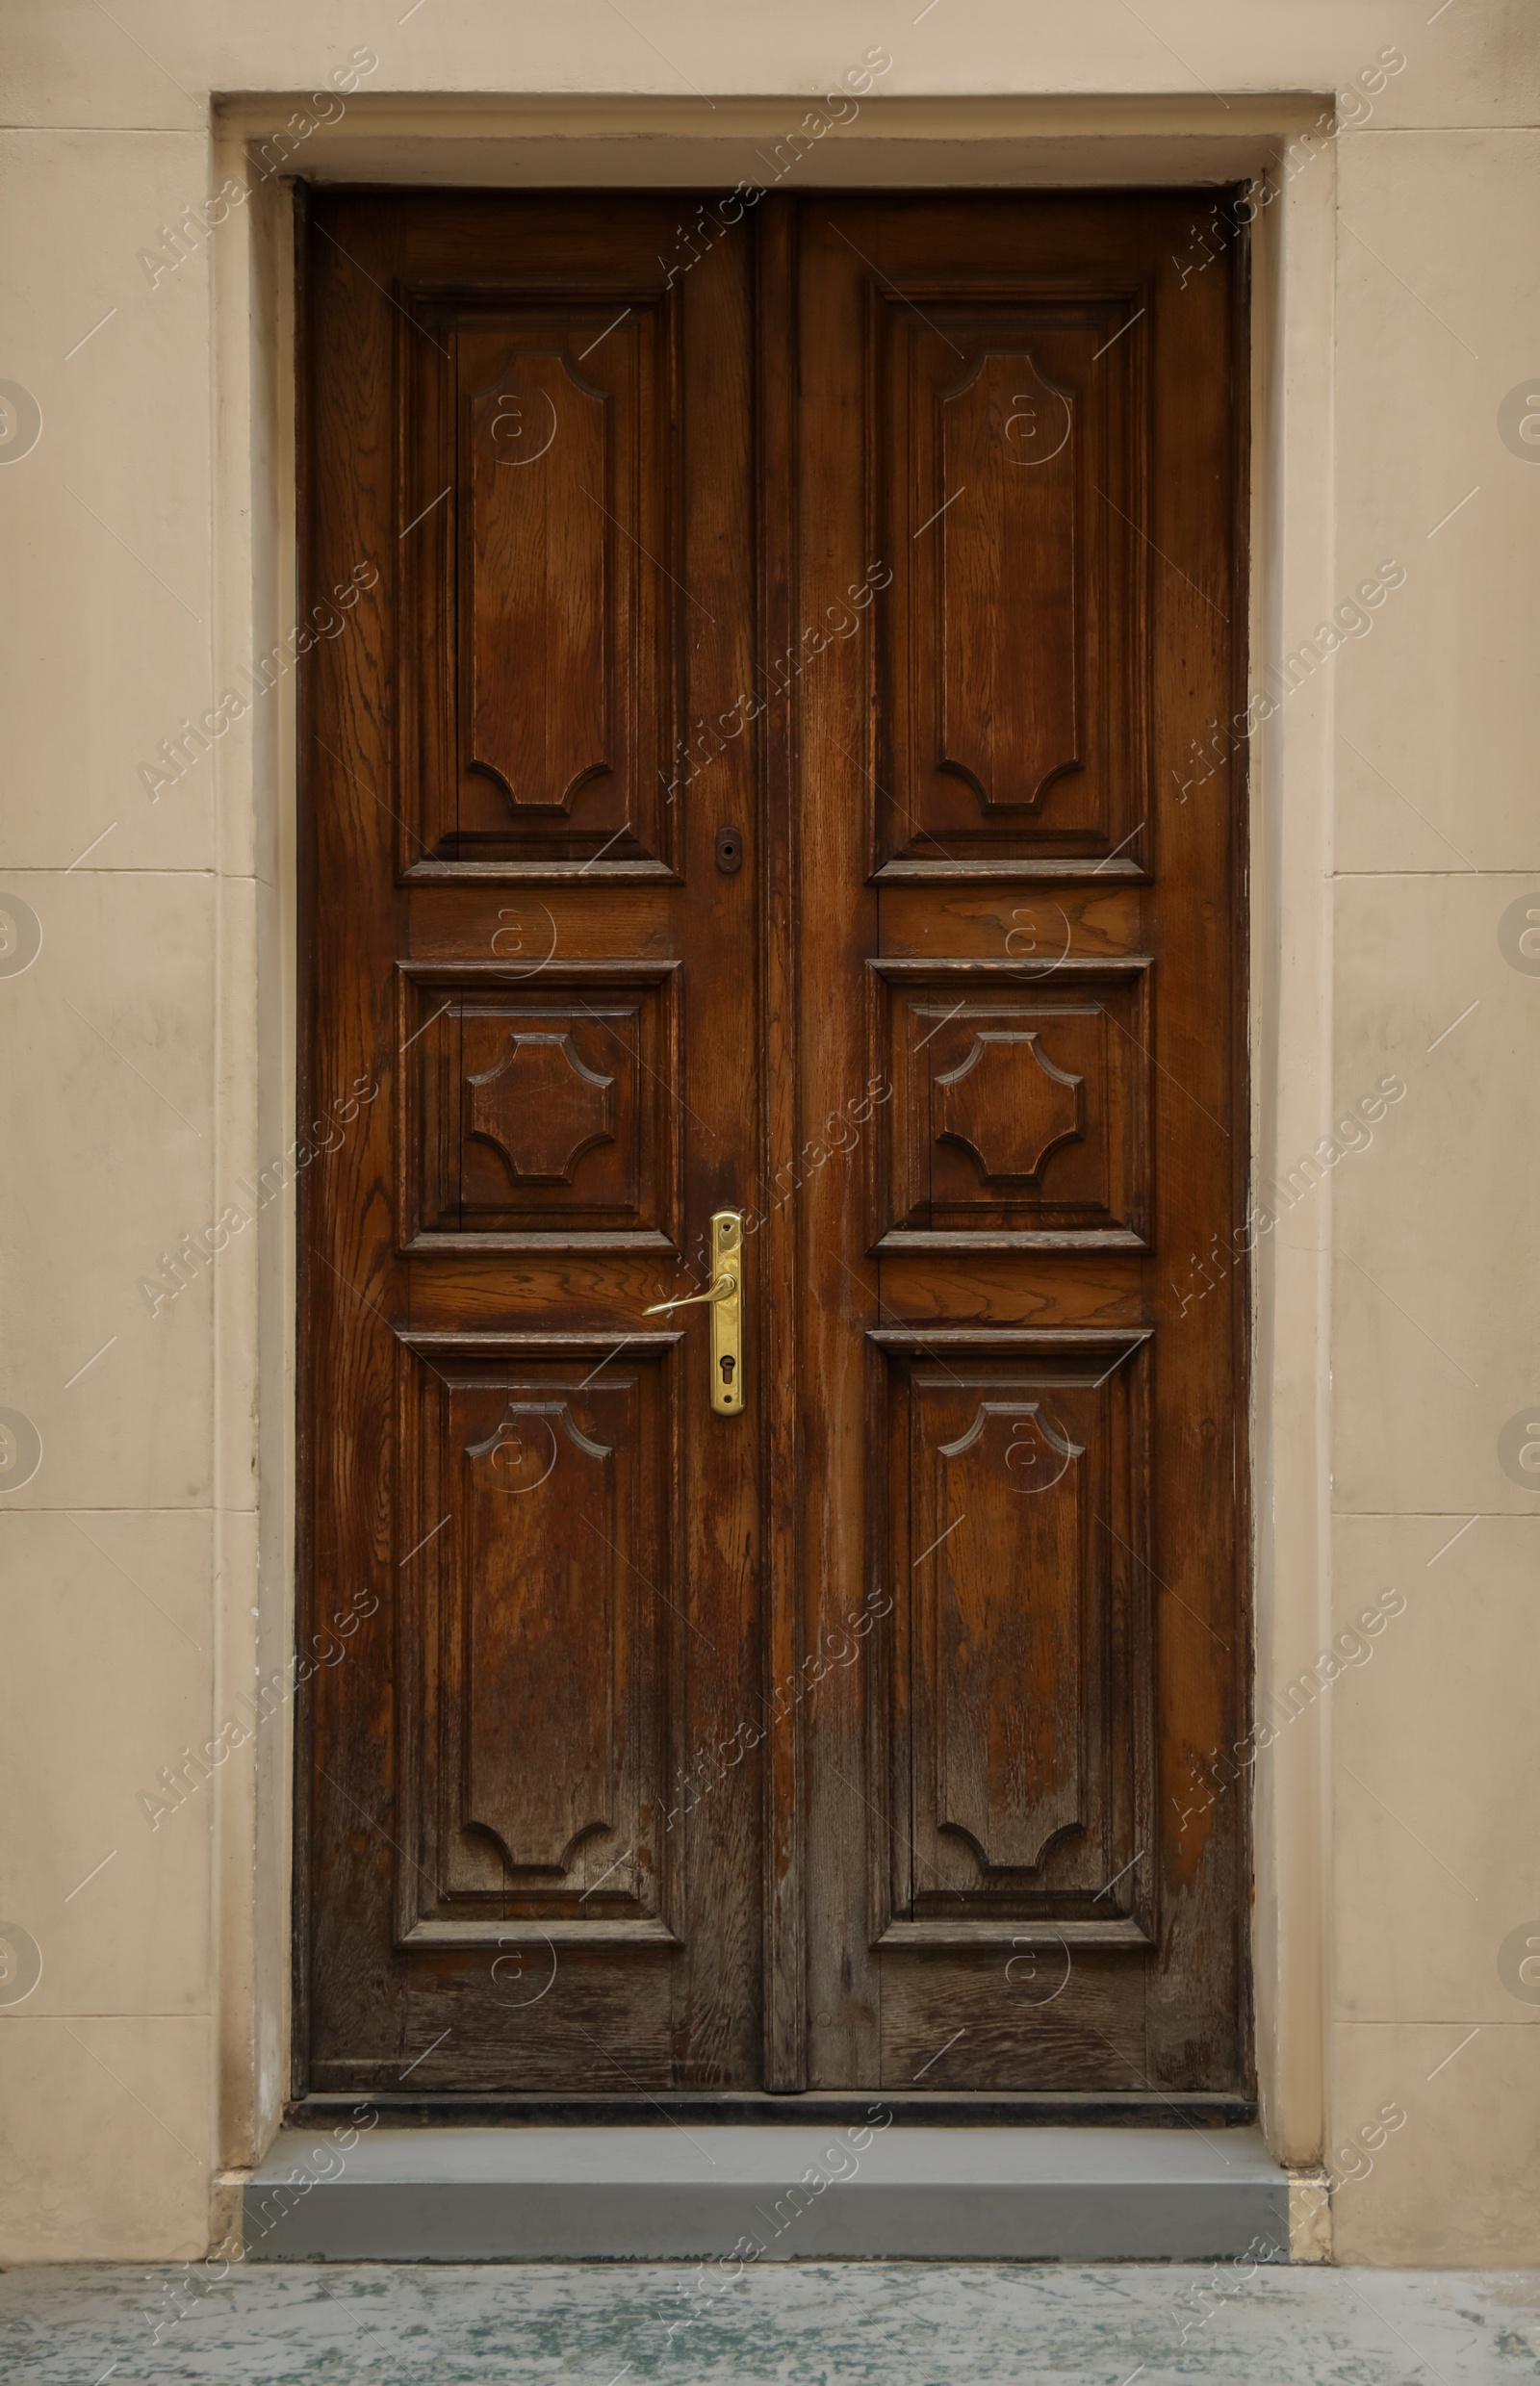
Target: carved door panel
[515,927]
[749,773]
[1010,915]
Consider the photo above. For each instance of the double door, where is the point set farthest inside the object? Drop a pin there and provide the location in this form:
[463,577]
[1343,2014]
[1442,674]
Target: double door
[760,1395]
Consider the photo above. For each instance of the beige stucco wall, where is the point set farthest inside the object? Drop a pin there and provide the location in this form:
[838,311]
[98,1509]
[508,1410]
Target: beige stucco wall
[146,533]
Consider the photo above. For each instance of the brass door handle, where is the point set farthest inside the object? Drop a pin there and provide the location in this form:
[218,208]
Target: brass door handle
[721,1290]
[725,1298]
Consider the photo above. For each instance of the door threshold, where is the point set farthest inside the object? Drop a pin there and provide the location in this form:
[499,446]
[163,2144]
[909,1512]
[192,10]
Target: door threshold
[819,2109]
[734,2194]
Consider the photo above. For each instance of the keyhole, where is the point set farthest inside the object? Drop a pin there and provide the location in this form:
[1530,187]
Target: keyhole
[729,851]
[727,1366]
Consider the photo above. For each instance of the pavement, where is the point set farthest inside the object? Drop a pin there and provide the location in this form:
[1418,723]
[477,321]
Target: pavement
[814,2323]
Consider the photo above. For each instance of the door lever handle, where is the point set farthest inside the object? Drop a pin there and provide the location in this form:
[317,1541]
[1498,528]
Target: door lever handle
[722,1290]
[724,1298]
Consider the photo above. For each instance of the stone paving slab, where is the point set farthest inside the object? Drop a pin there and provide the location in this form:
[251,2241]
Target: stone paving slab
[803,2324]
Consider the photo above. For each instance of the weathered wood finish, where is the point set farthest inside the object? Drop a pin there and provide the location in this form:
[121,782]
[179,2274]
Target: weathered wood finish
[534,1103]
[1014,1691]
[1008,464]
[1016,406]
[1019,1118]
[536,1479]
[514,921]
[845,1744]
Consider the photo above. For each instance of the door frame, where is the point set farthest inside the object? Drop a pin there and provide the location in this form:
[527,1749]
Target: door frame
[894,144]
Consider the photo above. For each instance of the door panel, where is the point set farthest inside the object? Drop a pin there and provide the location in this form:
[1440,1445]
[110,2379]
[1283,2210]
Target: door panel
[535,1111]
[996,1074]
[755,783]
[1018,1667]
[1009,471]
[514,924]
[536,1667]
[1009,916]
[544,473]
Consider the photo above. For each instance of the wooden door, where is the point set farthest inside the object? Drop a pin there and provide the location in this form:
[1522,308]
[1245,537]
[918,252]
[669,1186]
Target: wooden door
[1018,1414]
[515,924]
[744,716]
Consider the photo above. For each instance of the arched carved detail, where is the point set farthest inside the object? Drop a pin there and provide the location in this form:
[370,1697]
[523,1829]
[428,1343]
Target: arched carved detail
[1007,1106]
[542,1107]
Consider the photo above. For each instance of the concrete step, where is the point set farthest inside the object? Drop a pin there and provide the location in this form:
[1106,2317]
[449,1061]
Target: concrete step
[783,2193]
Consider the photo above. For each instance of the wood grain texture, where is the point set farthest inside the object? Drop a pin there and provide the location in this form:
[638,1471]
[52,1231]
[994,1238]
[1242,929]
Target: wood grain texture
[535,1110]
[537,1651]
[899,541]
[542,625]
[781,954]
[541,513]
[1019,1119]
[1010,629]
[1007,1106]
[510,922]
[1060,622]
[1007,441]
[1013,1692]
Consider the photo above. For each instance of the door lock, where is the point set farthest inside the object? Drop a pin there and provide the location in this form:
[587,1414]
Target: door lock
[724,1296]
